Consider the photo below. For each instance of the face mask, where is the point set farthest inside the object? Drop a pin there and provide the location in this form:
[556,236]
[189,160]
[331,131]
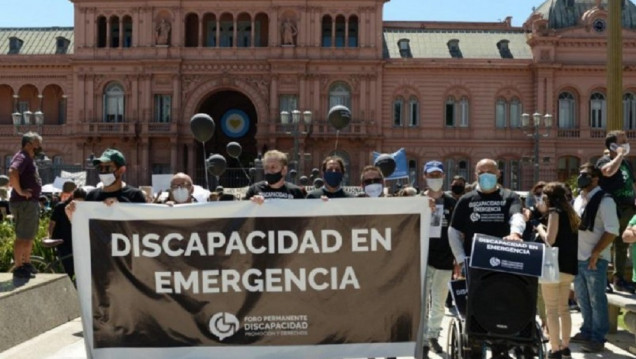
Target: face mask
[272,178]
[582,181]
[626,148]
[374,190]
[333,179]
[107,179]
[435,184]
[458,189]
[487,181]
[180,194]
[37,151]
[538,199]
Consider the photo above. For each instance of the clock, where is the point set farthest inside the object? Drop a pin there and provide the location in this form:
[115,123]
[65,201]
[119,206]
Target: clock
[599,25]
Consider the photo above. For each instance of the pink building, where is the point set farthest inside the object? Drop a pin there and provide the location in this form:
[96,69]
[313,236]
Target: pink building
[131,77]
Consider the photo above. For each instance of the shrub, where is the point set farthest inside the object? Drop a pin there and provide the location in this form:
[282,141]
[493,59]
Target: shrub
[7,237]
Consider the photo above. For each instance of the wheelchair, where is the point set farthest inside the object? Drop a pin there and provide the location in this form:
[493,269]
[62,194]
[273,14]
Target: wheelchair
[522,340]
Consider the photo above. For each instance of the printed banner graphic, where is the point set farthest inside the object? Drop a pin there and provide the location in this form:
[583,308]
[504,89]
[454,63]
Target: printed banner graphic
[524,258]
[233,279]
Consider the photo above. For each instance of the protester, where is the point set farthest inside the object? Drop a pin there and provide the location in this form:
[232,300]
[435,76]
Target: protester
[67,190]
[458,187]
[599,226]
[274,186]
[372,182]
[618,180]
[489,209]
[181,189]
[111,166]
[27,186]
[561,232]
[534,197]
[440,257]
[60,228]
[333,171]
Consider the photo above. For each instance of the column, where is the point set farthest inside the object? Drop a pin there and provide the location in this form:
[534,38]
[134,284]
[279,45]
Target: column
[614,70]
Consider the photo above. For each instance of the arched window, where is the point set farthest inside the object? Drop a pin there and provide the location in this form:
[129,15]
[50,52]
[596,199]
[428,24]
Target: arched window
[192,30]
[227,31]
[500,113]
[114,103]
[340,94]
[629,111]
[464,107]
[567,107]
[414,112]
[568,167]
[326,31]
[101,31]
[398,109]
[209,30]
[244,31]
[597,111]
[128,29]
[114,31]
[261,29]
[516,109]
[340,31]
[353,31]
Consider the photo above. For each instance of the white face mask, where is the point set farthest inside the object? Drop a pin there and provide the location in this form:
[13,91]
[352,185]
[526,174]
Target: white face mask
[180,195]
[374,189]
[435,184]
[107,179]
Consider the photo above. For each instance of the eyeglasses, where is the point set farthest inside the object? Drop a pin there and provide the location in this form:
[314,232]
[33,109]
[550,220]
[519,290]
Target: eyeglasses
[106,169]
[181,185]
[369,181]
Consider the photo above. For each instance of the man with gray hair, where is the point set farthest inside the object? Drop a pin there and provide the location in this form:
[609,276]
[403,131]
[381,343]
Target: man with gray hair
[27,186]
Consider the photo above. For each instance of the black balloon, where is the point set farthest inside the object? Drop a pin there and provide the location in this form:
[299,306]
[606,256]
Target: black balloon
[303,180]
[293,173]
[202,126]
[315,172]
[4,180]
[318,182]
[216,164]
[386,164]
[339,117]
[234,149]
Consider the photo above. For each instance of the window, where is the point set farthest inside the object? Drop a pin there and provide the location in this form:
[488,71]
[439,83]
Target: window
[209,24]
[340,31]
[128,28]
[163,108]
[414,112]
[449,112]
[463,112]
[510,173]
[504,50]
[500,113]
[227,31]
[629,111]
[244,31]
[326,31]
[567,106]
[61,45]
[398,105]
[101,31]
[192,30]
[161,169]
[15,45]
[568,167]
[457,167]
[114,31]
[515,113]
[413,172]
[597,111]
[353,31]
[405,48]
[62,113]
[114,103]
[340,94]
[453,49]
[288,103]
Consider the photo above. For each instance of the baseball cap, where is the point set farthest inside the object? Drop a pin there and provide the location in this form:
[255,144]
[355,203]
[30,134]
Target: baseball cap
[111,154]
[433,166]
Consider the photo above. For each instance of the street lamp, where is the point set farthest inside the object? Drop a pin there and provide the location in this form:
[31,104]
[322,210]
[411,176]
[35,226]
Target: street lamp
[534,131]
[23,119]
[295,129]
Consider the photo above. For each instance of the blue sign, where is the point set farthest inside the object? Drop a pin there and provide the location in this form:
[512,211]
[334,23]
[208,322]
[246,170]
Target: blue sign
[235,123]
[517,257]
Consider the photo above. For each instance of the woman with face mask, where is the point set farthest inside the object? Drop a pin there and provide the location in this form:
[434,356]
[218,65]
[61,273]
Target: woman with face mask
[372,182]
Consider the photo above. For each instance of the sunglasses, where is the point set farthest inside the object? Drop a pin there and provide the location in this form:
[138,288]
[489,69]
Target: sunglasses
[369,181]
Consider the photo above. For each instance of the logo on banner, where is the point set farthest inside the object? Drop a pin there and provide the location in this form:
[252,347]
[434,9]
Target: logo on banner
[495,262]
[224,325]
[474,217]
[235,123]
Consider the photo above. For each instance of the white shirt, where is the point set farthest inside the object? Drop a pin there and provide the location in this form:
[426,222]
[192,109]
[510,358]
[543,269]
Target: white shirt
[606,221]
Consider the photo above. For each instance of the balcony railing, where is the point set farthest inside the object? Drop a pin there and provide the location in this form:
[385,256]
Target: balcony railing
[323,128]
[569,133]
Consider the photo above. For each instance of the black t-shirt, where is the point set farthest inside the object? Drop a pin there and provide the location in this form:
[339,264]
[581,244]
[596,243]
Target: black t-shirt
[620,184]
[440,255]
[62,229]
[478,212]
[318,193]
[127,195]
[568,243]
[287,191]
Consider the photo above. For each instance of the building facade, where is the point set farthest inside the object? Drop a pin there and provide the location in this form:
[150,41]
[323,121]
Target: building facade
[132,76]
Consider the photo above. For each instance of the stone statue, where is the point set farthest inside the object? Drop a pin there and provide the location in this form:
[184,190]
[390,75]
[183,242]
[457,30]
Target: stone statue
[288,30]
[162,32]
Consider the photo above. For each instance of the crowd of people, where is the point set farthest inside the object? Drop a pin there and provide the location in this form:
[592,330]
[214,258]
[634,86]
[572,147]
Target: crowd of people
[591,229]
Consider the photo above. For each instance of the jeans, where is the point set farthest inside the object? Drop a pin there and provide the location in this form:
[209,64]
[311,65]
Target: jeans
[437,287]
[589,286]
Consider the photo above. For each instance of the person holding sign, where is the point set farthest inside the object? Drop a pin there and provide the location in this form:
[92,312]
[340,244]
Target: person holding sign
[274,186]
[333,170]
[181,189]
[561,232]
[440,257]
[599,226]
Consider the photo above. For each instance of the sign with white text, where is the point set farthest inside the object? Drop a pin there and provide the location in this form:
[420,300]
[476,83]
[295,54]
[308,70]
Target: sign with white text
[524,258]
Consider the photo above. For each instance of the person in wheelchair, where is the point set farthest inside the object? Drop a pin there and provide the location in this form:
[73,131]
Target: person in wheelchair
[488,209]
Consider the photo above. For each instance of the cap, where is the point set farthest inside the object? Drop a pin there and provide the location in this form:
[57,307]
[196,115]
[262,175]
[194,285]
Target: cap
[433,166]
[109,155]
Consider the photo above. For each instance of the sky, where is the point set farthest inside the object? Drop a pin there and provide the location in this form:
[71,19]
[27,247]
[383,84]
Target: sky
[44,13]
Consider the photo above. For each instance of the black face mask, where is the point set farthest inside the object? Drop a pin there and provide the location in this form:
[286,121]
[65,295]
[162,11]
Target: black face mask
[583,180]
[458,189]
[272,178]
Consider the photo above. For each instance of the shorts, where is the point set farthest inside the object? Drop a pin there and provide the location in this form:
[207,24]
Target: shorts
[26,216]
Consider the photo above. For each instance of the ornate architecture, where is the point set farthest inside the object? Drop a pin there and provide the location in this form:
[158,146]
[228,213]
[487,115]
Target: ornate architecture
[131,76]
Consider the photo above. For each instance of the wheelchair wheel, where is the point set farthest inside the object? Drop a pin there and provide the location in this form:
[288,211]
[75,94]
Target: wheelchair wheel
[536,349]
[454,340]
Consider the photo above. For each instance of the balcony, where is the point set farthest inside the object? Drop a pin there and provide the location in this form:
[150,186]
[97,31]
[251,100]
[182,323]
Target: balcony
[568,133]
[44,130]
[357,129]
